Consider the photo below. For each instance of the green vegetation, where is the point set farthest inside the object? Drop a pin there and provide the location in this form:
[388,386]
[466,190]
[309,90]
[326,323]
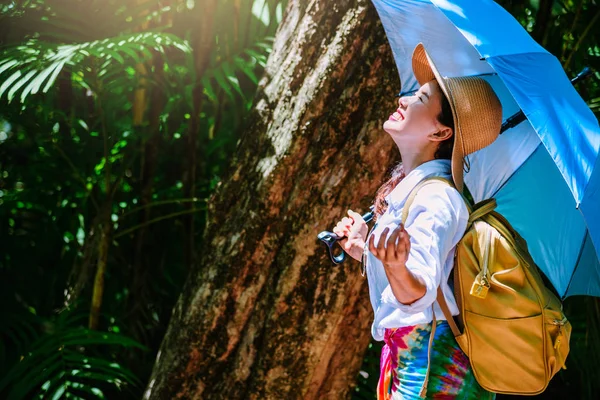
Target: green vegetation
[116,122]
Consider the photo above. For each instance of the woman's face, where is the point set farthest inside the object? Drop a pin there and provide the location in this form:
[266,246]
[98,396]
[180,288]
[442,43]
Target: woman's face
[416,119]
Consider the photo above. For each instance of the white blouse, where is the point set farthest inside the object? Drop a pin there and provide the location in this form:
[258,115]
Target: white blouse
[436,222]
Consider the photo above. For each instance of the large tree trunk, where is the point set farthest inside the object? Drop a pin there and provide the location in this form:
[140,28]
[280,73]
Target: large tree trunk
[266,314]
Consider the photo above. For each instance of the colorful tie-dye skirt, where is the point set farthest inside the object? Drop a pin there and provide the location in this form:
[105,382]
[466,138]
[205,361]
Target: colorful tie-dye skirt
[404,366]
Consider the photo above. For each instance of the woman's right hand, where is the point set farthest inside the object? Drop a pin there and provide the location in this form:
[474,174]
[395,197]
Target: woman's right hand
[354,229]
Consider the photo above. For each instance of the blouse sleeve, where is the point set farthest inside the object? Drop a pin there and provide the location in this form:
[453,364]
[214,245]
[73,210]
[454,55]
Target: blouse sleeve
[437,220]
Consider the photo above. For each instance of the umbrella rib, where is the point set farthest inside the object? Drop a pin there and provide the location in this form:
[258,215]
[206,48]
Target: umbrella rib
[576,265]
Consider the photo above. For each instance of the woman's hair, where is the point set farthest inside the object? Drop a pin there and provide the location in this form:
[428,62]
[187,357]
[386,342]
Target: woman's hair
[445,117]
[443,152]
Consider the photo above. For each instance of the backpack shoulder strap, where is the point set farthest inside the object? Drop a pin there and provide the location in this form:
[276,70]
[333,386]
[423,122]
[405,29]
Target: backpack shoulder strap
[482,209]
[413,193]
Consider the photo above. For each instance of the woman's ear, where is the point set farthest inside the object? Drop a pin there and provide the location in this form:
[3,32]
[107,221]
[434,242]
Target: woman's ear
[441,135]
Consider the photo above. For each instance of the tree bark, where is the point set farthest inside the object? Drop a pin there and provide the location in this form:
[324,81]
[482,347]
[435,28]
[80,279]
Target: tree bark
[265,314]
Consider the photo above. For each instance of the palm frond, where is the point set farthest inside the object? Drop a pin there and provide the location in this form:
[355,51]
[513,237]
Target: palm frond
[242,47]
[68,361]
[225,74]
[35,63]
[17,332]
[69,20]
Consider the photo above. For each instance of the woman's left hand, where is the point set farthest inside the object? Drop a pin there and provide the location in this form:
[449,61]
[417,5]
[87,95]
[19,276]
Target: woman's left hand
[393,251]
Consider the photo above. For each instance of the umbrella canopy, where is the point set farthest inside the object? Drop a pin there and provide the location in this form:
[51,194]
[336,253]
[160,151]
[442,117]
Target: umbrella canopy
[544,173]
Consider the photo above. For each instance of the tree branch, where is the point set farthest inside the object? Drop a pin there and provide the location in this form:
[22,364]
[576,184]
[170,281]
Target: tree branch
[581,38]
[542,21]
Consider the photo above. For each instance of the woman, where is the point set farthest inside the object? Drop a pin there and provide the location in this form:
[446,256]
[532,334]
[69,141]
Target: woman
[434,129]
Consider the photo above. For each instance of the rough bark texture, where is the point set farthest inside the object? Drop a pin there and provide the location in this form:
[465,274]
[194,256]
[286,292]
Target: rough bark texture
[265,314]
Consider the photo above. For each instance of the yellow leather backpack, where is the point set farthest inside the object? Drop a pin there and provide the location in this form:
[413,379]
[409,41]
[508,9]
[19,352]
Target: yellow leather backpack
[511,326]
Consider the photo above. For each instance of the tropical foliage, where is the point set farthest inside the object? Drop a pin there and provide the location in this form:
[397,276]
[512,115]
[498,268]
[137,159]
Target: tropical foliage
[117,120]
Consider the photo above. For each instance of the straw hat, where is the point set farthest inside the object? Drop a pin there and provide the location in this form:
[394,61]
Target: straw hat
[475,107]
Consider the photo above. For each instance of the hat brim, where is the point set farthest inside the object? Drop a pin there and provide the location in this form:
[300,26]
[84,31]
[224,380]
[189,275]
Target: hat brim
[425,70]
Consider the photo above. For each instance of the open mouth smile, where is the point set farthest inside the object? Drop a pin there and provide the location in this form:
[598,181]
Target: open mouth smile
[397,116]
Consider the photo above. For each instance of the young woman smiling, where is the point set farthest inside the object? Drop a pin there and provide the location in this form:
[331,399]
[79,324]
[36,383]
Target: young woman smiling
[434,130]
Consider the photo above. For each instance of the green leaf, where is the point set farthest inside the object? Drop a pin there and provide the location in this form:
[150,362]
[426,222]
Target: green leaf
[131,53]
[7,64]
[85,392]
[208,88]
[221,80]
[268,47]
[9,82]
[146,52]
[246,69]
[87,336]
[64,53]
[19,84]
[260,9]
[83,124]
[87,375]
[279,13]
[37,371]
[260,58]
[116,56]
[52,78]
[98,366]
[233,80]
[50,58]
[35,84]
[59,392]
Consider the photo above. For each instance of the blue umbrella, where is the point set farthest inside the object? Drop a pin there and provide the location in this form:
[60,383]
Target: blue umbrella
[545,172]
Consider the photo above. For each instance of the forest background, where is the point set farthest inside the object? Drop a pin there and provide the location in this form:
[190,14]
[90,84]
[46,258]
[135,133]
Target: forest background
[119,120]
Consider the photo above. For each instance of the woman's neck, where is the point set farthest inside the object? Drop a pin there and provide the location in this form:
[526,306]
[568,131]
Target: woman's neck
[411,160]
